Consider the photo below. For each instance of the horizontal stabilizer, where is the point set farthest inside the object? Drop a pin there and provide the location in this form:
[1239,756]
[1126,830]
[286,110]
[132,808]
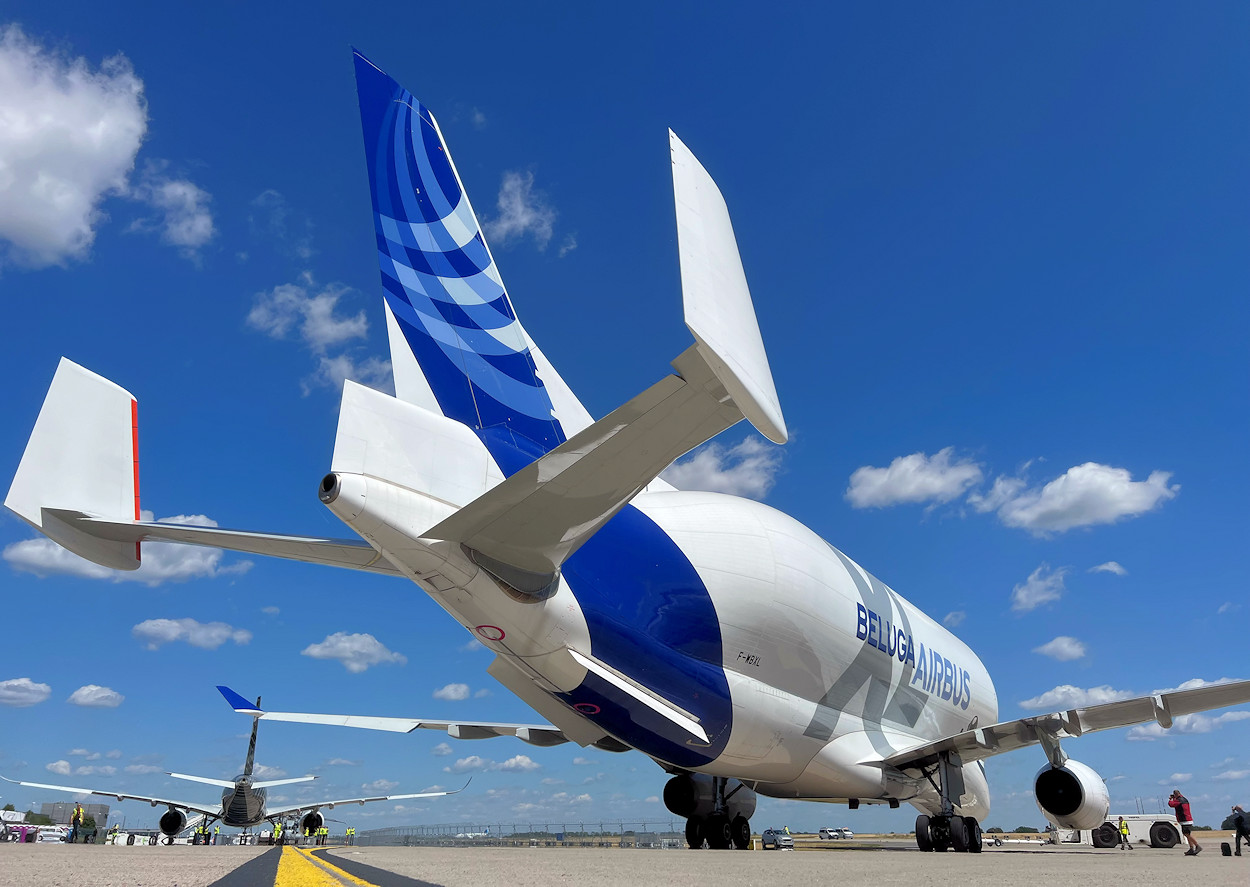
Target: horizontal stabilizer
[534,734]
[270,783]
[220,783]
[994,739]
[539,516]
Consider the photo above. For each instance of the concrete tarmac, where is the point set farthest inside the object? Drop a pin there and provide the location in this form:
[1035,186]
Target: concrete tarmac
[186,866]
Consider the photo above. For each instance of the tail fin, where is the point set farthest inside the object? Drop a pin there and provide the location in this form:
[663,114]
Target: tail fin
[82,457]
[251,745]
[457,347]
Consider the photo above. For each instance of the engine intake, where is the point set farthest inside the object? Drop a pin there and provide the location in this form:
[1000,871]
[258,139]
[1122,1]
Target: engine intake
[311,822]
[172,822]
[1072,796]
[692,796]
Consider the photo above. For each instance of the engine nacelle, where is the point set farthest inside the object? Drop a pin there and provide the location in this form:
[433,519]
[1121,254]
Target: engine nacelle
[311,822]
[1072,796]
[172,822]
[692,796]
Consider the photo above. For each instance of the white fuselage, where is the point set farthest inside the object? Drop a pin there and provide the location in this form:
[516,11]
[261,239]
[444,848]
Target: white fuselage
[820,670]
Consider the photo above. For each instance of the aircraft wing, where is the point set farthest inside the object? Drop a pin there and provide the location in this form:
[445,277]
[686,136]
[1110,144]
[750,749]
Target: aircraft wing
[207,810]
[287,811]
[983,742]
[534,734]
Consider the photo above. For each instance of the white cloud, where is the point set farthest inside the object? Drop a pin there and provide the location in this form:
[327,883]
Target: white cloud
[581,761]
[95,696]
[1227,607]
[114,754]
[954,619]
[1084,496]
[290,307]
[475,763]
[1067,696]
[142,769]
[106,770]
[161,561]
[441,750]
[452,692]
[356,651]
[381,786]
[567,245]
[1195,683]
[274,219]
[1042,586]
[69,139]
[21,692]
[270,611]
[1062,648]
[1195,723]
[263,772]
[1229,775]
[61,768]
[913,479]
[341,762]
[1109,567]
[79,753]
[523,212]
[748,468]
[1177,779]
[205,635]
[184,219]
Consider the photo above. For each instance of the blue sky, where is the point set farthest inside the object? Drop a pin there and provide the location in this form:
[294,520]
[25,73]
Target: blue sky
[999,258]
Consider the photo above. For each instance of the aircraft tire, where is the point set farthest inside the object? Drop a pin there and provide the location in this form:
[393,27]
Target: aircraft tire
[1163,836]
[924,838]
[716,830]
[959,834]
[694,834]
[975,844]
[740,828]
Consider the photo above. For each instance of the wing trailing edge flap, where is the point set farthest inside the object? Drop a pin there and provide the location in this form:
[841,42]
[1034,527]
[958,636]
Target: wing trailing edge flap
[994,739]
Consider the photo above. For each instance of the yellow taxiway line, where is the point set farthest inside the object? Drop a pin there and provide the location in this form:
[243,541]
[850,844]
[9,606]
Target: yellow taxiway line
[299,868]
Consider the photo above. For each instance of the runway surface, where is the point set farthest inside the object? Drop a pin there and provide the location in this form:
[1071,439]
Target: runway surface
[185,866]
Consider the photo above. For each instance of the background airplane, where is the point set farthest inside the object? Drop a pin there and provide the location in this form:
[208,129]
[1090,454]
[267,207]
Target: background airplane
[243,801]
[720,637]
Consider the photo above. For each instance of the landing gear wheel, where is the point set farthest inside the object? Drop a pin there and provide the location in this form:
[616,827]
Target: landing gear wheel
[1105,836]
[694,834]
[716,830]
[924,840]
[940,833]
[975,844]
[740,828]
[959,834]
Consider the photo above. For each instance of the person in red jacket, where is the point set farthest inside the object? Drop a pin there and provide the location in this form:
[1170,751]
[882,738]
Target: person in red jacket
[1185,818]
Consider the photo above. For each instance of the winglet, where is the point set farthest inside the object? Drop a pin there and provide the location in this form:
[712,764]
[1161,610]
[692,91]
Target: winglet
[238,703]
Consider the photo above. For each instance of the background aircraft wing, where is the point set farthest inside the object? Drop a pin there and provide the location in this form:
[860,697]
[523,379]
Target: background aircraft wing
[534,734]
[983,742]
[302,808]
[208,810]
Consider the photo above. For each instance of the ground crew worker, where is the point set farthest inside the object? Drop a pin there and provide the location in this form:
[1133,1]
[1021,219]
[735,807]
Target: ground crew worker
[75,821]
[216,832]
[305,834]
[277,832]
[1124,841]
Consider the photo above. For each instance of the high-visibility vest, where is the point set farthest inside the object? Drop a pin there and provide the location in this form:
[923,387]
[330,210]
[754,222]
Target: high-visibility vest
[1123,827]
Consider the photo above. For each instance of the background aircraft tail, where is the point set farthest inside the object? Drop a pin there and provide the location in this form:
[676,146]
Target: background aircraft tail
[457,348]
[82,458]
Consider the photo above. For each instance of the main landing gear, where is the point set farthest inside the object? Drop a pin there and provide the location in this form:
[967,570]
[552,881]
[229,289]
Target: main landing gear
[948,831]
[719,829]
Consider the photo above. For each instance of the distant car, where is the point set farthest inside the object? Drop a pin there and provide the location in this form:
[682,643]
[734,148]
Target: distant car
[776,839]
[834,834]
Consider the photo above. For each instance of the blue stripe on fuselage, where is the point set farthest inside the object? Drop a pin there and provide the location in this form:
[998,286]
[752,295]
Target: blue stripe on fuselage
[650,617]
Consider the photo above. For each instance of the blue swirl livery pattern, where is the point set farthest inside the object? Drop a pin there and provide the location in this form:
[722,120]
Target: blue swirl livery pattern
[439,278]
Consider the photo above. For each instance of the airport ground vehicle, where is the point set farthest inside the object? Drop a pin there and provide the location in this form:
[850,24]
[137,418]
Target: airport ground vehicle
[1156,830]
[776,839]
[835,834]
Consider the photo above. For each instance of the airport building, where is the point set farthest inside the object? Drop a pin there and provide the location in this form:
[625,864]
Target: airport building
[61,811]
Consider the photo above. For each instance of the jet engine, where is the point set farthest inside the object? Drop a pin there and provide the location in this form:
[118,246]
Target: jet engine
[1072,796]
[172,822]
[311,822]
[692,796]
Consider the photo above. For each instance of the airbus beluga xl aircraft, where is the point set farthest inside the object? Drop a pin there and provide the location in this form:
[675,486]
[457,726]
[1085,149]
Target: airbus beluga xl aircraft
[732,645]
[243,799]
